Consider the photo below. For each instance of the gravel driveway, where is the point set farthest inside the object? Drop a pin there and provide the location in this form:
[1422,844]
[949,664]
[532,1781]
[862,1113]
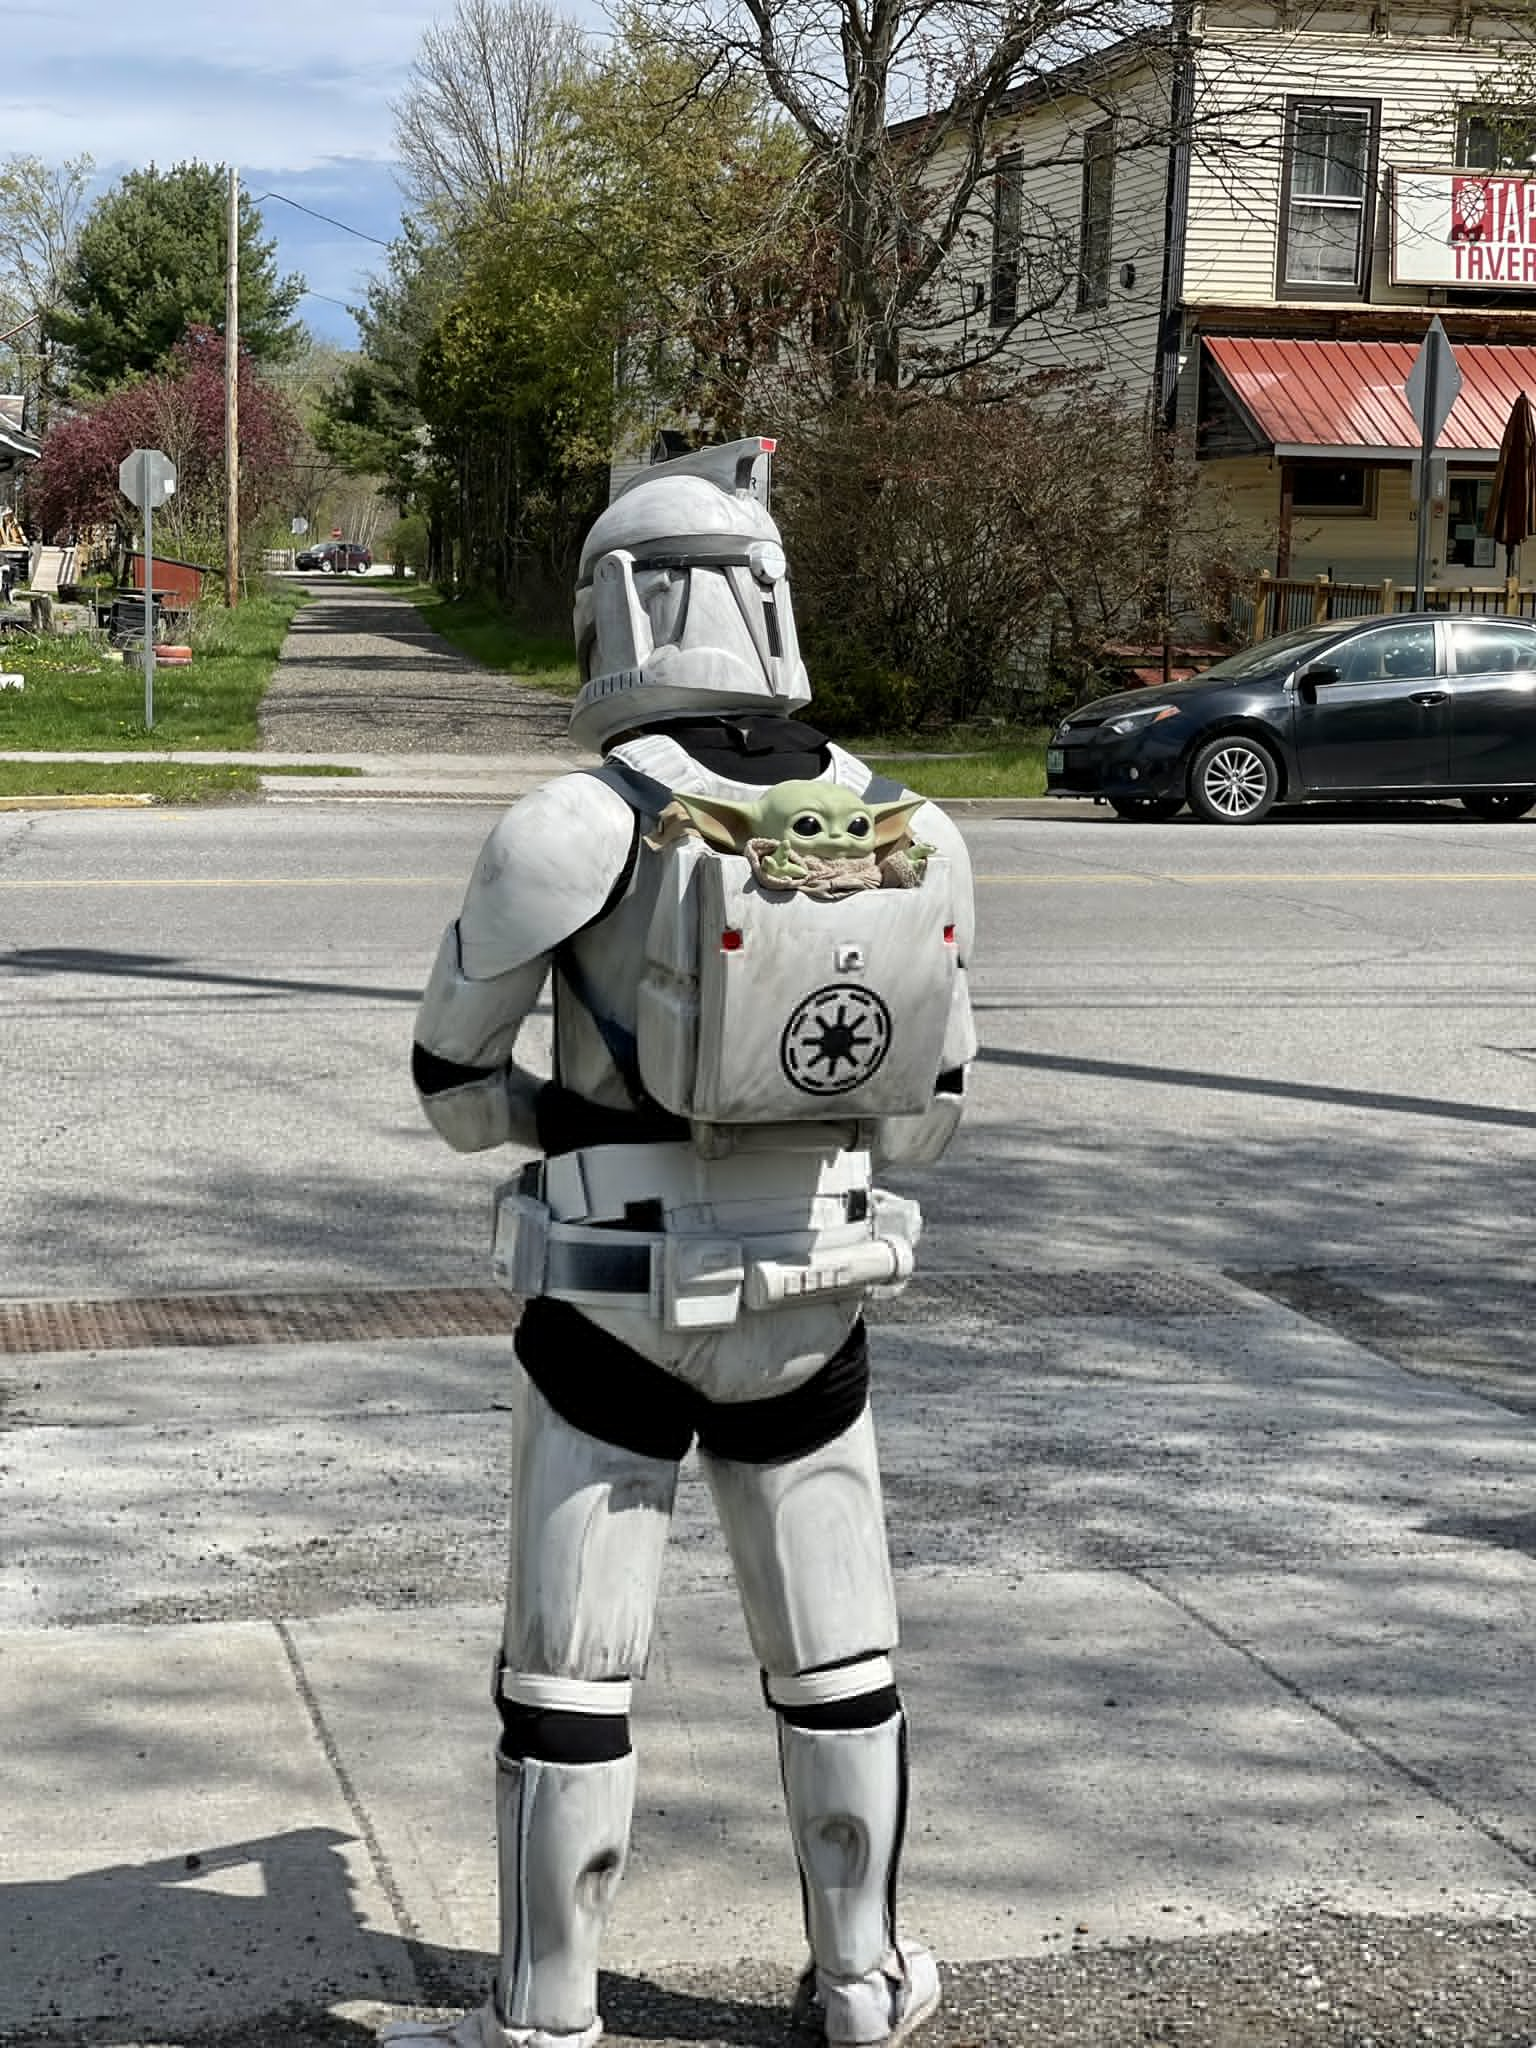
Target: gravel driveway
[363,673]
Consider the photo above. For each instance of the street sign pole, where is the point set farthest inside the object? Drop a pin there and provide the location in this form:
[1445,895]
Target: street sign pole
[1433,386]
[149,598]
[1428,432]
[147,477]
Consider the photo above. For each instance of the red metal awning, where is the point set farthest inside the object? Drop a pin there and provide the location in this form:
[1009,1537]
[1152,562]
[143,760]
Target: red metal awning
[1345,398]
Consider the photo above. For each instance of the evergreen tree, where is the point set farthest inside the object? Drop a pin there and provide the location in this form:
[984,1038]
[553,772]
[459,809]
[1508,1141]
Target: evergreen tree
[150,265]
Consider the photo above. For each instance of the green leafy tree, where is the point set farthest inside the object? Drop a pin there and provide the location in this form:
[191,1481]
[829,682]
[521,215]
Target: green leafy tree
[149,266]
[370,421]
[693,190]
[636,257]
[516,385]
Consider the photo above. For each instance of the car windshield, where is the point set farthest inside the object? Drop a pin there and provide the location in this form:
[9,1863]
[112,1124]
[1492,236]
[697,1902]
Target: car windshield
[1284,651]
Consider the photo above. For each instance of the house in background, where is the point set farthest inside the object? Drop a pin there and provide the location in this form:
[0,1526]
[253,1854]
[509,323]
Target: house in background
[1254,214]
[18,452]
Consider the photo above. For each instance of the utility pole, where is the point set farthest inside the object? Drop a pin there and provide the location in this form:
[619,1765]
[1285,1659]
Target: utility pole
[232,398]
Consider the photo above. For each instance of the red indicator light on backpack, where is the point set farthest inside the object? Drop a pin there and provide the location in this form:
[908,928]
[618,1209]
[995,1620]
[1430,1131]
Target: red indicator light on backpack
[731,940]
[949,935]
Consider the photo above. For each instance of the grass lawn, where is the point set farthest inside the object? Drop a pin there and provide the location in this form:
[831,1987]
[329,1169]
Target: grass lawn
[1017,770]
[546,660]
[75,697]
[944,765]
[167,782]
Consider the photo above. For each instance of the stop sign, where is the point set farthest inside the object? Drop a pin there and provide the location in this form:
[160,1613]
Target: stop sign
[147,477]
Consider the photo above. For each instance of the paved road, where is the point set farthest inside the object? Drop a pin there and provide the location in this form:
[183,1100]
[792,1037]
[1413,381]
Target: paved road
[1208,1438]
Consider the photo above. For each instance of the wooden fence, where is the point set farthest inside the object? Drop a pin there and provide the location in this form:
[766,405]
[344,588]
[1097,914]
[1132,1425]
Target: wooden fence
[1279,604]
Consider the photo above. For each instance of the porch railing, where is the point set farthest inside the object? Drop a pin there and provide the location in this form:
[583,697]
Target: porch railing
[1279,604]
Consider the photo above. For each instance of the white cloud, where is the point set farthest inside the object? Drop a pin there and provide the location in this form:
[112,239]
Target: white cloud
[281,82]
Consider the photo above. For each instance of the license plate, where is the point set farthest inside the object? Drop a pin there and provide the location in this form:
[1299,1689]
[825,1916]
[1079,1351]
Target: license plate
[1055,760]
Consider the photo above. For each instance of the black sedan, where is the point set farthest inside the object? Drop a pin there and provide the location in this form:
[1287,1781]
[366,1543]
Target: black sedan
[1424,704]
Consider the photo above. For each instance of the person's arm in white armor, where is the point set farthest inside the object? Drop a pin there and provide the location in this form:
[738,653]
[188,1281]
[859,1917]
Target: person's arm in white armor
[917,1140]
[547,870]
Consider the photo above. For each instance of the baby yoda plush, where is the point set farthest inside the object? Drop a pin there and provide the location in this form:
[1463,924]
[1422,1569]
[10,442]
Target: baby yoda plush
[814,836]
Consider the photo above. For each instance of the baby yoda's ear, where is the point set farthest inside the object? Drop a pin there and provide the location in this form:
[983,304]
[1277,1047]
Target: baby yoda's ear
[723,823]
[891,819]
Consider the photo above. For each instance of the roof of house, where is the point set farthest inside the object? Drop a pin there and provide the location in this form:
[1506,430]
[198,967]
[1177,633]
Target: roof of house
[1077,76]
[1346,398]
[18,447]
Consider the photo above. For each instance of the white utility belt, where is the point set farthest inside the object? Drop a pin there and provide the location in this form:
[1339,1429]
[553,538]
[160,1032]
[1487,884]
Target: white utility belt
[695,1258]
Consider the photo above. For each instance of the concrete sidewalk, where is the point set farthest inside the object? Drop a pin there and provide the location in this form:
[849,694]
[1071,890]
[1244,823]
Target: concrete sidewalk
[420,778]
[1211,1617]
[487,779]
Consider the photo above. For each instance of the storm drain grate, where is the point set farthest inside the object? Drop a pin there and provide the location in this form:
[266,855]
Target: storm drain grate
[352,1315]
[1010,1297]
[361,1315]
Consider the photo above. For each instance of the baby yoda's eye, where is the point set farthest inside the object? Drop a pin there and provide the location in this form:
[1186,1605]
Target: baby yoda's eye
[858,826]
[807,825]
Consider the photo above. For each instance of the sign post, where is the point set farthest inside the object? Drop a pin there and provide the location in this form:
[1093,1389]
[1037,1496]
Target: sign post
[1432,388]
[148,478]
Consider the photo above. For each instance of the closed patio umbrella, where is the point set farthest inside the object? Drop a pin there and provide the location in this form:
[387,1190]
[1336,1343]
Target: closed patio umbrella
[1512,508]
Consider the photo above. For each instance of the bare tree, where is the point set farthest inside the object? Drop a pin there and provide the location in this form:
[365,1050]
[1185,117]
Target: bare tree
[472,125]
[896,101]
[41,208]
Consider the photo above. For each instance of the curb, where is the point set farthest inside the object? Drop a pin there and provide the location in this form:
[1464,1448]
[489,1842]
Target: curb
[298,789]
[104,800]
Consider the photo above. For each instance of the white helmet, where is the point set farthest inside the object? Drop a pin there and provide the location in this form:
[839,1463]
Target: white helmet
[682,602]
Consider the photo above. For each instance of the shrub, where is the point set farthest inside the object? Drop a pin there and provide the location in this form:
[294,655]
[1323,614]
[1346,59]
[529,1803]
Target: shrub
[955,554]
[407,545]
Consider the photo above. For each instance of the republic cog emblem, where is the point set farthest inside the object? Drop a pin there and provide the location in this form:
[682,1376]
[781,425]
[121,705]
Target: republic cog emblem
[835,1040]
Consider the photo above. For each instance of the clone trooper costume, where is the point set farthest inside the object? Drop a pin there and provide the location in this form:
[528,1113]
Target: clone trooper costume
[695,1241]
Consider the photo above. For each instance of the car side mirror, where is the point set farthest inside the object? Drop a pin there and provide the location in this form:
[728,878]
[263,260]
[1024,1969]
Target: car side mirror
[1319,677]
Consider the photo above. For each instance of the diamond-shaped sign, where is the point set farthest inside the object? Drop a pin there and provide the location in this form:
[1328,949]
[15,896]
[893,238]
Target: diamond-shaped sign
[148,477]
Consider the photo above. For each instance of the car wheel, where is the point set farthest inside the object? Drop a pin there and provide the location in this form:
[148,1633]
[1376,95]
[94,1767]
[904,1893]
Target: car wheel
[1501,803]
[1233,781]
[1146,808]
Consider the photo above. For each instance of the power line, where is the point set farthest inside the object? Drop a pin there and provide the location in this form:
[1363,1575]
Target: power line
[329,221]
[328,301]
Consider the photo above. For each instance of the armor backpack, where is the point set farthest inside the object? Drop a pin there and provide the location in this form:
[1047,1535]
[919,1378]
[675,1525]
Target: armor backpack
[803,972]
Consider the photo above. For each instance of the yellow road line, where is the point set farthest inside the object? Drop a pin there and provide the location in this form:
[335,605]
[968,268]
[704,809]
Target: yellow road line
[1227,880]
[1222,880]
[233,882]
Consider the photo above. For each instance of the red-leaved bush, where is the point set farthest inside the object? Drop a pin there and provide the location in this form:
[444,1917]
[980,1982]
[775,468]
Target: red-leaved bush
[181,412]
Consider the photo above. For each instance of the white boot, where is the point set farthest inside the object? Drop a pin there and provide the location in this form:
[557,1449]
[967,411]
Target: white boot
[881,2007]
[480,2029]
[562,1835]
[845,1789]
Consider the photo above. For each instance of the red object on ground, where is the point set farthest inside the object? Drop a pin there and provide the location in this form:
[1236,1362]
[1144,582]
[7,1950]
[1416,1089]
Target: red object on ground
[173,579]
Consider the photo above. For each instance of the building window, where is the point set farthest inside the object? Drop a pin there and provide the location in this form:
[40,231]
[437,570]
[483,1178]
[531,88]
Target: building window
[1347,488]
[1467,502]
[1327,189]
[1007,234]
[1496,139]
[1097,233]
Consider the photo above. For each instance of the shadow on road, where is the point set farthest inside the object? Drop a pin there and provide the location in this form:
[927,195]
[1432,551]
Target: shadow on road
[269,1929]
[91,960]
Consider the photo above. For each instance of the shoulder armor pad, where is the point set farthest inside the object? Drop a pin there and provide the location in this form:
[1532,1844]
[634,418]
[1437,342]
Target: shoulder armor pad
[549,868]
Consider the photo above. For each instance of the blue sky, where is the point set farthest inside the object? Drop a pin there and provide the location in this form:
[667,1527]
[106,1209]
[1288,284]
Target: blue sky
[296,93]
